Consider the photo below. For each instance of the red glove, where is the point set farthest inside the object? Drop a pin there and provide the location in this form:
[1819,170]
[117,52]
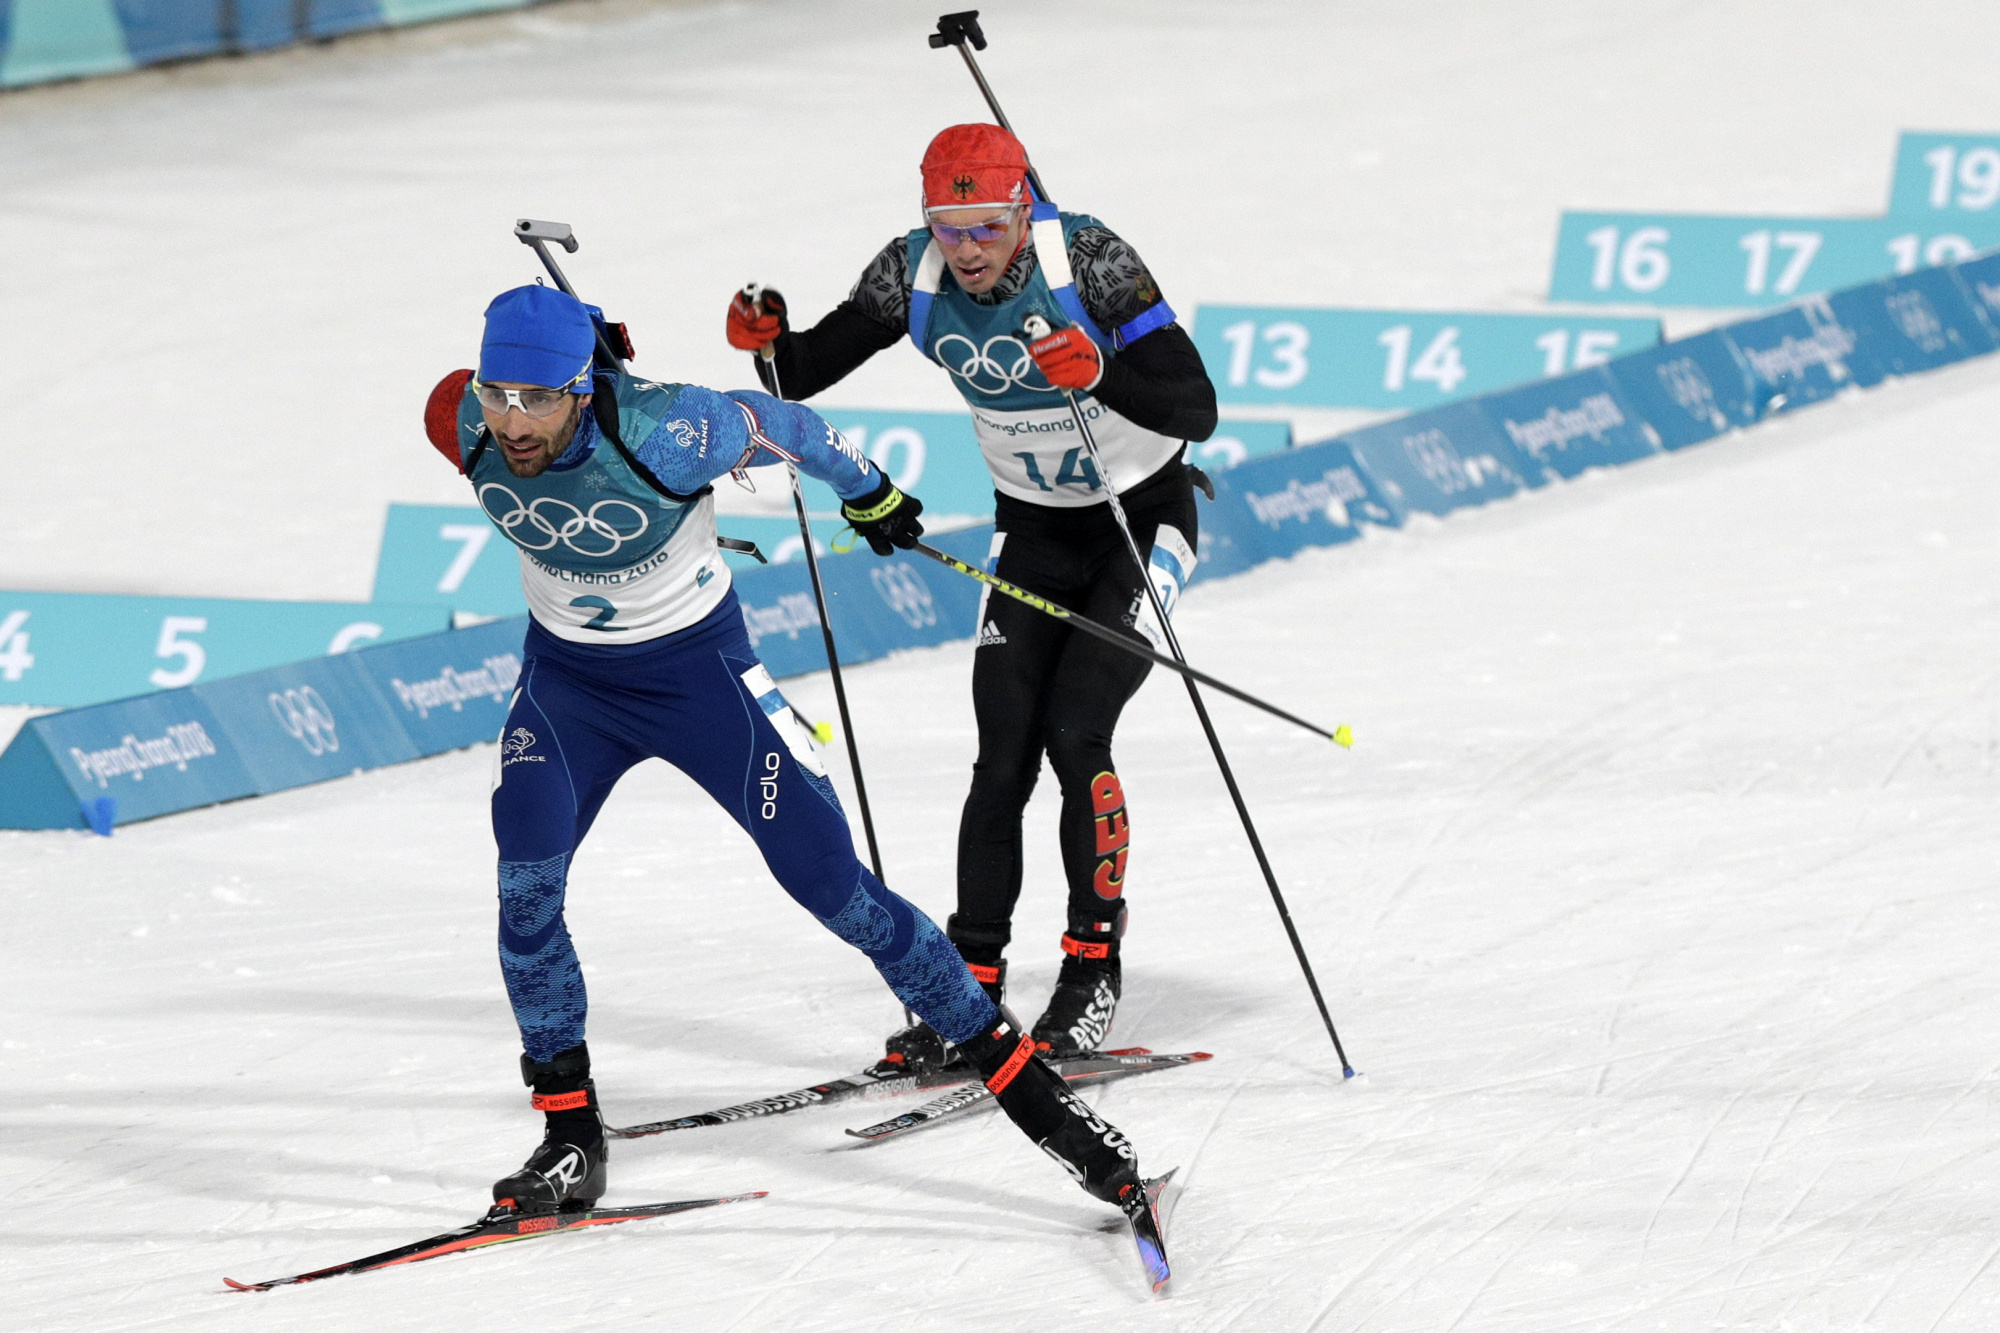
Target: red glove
[1068,359]
[753,327]
[441,414]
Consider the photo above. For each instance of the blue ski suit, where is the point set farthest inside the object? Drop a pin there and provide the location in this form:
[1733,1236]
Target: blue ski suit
[651,660]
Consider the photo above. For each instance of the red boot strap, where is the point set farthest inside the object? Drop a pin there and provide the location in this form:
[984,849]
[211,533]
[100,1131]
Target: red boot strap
[989,976]
[1084,948]
[561,1101]
[1015,1063]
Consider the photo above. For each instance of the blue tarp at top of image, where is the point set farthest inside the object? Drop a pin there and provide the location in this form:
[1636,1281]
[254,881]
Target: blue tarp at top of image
[41,40]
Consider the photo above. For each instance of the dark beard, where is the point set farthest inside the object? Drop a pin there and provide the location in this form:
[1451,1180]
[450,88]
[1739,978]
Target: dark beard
[539,464]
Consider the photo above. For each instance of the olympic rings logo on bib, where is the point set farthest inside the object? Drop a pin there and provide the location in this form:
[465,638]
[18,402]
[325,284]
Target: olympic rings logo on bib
[540,525]
[306,718]
[1002,364]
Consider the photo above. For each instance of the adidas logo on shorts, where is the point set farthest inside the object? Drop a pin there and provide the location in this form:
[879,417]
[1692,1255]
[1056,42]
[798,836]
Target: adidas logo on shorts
[990,636]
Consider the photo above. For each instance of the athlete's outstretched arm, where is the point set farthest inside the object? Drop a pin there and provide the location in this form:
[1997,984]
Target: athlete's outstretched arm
[874,317]
[711,433]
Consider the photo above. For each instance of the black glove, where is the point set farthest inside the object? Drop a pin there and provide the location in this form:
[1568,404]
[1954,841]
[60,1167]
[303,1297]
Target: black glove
[886,517]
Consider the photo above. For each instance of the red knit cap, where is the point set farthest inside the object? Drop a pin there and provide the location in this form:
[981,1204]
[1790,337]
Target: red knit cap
[968,166]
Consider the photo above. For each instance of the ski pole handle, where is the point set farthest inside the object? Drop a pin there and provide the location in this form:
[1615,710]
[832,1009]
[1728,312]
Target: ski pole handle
[753,292]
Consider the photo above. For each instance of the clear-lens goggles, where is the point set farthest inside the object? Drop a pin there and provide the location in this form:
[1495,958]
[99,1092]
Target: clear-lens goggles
[536,403]
[982,232]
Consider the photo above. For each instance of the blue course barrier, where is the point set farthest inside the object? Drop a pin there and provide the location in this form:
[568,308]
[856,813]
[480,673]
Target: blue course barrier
[1689,390]
[317,719]
[1682,259]
[1572,423]
[1915,323]
[1802,354]
[42,40]
[261,732]
[1441,460]
[1396,358]
[1940,177]
[1276,506]
[66,649]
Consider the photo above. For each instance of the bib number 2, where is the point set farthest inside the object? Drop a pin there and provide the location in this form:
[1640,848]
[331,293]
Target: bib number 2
[602,620]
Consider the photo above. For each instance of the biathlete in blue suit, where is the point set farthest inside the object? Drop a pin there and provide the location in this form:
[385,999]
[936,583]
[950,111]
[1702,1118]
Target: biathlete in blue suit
[636,649]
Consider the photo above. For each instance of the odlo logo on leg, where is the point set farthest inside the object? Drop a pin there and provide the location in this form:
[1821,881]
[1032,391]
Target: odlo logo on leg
[1107,801]
[768,784]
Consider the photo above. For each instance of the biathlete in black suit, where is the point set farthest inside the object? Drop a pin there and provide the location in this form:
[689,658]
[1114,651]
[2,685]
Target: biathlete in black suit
[961,288]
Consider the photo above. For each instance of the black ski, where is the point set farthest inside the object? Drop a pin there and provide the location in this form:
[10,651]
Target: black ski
[498,1227]
[1095,1068]
[867,1083]
[1149,1232]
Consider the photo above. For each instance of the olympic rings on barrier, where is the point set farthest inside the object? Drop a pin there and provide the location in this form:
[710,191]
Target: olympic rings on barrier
[906,593]
[545,519]
[304,715]
[984,372]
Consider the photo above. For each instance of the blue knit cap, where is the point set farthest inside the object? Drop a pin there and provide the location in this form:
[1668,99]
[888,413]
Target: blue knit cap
[537,335]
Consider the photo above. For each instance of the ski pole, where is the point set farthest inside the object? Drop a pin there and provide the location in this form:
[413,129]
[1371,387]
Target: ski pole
[1340,735]
[1037,327]
[754,294]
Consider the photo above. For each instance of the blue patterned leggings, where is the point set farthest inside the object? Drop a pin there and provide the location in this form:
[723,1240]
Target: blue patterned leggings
[699,700]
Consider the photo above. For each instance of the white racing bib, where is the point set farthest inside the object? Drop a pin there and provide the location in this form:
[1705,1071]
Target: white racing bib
[1035,455]
[670,590]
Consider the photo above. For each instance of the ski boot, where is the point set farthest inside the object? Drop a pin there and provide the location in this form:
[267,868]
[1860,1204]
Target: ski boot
[1079,1015]
[567,1172]
[918,1049]
[1091,1149]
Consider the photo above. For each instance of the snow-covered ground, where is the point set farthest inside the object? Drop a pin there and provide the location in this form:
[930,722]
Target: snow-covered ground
[1654,901]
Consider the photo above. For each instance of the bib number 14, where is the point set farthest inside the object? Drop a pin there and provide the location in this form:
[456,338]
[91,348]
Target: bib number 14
[1076,470]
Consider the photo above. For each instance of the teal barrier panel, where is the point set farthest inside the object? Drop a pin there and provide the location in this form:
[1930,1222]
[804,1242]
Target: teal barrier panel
[449,690]
[1688,390]
[1942,177]
[1980,280]
[1277,505]
[147,756]
[1917,323]
[260,732]
[1442,460]
[306,722]
[68,649]
[877,605]
[1572,423]
[931,454]
[65,39]
[1684,259]
[448,556]
[1802,354]
[62,39]
[1396,358]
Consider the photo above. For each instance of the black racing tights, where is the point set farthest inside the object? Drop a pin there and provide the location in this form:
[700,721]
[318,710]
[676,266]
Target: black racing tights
[1040,687]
